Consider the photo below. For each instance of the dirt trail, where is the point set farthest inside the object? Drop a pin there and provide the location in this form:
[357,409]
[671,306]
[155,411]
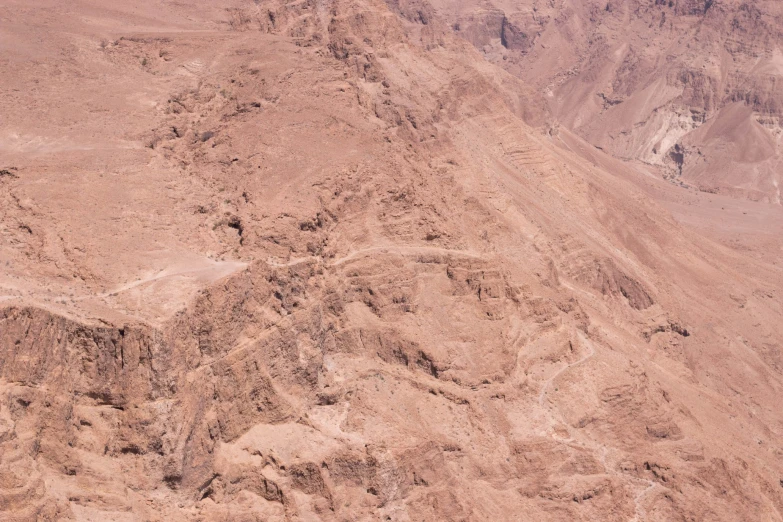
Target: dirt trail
[640,513]
[404,250]
[583,341]
[594,447]
[203,274]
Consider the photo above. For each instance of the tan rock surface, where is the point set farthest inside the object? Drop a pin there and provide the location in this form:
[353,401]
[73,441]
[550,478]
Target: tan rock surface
[324,261]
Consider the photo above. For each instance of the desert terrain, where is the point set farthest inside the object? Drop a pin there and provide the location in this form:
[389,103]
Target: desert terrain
[266,260]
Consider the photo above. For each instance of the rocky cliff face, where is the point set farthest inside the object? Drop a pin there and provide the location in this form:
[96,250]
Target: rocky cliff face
[337,266]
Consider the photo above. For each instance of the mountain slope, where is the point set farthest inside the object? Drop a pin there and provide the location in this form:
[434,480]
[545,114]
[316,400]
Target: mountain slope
[323,261]
[690,87]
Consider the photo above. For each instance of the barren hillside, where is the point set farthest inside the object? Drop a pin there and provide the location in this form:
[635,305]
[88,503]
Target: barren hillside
[690,87]
[355,260]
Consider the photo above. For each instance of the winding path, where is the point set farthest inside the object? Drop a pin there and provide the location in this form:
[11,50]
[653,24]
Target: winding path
[583,340]
[639,512]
